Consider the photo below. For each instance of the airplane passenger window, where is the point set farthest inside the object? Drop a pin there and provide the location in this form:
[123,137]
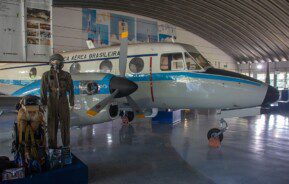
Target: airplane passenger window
[32,73]
[75,68]
[136,65]
[191,64]
[172,61]
[105,66]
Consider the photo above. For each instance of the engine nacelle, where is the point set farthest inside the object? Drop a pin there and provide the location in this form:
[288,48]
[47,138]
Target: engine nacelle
[80,118]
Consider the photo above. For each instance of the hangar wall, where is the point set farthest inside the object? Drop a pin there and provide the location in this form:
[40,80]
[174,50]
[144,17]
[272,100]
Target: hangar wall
[71,33]
[279,75]
[25,30]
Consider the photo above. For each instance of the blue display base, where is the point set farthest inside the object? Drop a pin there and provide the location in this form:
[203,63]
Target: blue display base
[164,117]
[77,172]
[283,107]
[284,95]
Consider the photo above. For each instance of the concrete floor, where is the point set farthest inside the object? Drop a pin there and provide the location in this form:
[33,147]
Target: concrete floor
[254,150]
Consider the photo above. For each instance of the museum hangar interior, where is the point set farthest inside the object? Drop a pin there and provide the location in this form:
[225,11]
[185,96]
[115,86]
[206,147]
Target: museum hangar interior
[144,91]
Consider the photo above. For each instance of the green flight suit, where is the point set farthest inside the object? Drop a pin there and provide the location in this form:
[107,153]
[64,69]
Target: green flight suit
[58,106]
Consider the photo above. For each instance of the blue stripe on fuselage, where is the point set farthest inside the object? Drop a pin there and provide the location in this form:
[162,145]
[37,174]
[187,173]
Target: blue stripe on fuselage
[177,75]
[16,82]
[34,88]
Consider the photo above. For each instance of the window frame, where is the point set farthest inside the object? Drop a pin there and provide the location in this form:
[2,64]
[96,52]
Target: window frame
[201,68]
[129,64]
[170,63]
[101,70]
[73,65]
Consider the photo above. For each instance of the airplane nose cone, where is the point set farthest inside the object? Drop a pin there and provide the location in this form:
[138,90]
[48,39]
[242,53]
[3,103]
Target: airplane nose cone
[272,96]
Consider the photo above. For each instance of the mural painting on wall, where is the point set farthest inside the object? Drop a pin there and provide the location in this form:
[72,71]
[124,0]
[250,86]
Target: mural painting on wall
[93,24]
[102,17]
[147,31]
[88,18]
[167,32]
[38,27]
[120,23]
[99,35]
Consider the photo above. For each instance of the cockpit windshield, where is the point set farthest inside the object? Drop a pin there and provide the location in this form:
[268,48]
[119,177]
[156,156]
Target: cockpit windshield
[195,60]
[202,62]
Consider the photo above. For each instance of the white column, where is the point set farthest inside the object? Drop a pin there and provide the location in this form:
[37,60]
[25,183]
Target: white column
[23,29]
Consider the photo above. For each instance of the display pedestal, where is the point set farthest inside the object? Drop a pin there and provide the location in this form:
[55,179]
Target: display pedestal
[77,172]
[284,95]
[164,117]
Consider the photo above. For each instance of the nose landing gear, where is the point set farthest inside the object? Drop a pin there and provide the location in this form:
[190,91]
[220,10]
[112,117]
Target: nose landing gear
[215,135]
[126,116]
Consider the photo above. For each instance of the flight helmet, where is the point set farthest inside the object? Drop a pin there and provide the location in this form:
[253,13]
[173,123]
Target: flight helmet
[56,61]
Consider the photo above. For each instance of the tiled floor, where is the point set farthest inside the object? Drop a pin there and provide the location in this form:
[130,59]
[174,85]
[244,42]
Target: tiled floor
[254,150]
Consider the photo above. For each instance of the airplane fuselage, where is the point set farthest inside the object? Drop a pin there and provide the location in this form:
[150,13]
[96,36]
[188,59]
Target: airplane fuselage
[172,88]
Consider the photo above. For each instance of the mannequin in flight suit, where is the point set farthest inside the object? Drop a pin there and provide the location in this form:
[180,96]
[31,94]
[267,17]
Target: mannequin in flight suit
[55,84]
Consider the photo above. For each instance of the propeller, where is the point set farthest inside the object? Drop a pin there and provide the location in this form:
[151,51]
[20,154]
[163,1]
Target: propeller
[119,86]
[98,107]
[123,54]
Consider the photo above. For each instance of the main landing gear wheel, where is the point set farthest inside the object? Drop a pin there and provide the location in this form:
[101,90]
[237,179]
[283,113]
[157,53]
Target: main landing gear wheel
[215,133]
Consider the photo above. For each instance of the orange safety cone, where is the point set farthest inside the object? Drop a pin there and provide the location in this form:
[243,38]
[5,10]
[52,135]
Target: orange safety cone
[214,142]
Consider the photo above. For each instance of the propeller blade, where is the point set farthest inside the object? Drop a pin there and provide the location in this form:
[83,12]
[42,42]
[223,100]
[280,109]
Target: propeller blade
[135,107]
[123,53]
[98,107]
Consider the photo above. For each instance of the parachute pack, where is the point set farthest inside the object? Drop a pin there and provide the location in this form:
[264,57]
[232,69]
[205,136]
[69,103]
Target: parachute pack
[29,145]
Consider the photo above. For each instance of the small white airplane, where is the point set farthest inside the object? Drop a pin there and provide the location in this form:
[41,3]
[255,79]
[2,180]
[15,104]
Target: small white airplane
[137,79]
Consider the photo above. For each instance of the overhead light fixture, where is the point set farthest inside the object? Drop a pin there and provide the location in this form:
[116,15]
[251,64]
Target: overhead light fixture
[283,59]
[238,63]
[276,59]
[259,66]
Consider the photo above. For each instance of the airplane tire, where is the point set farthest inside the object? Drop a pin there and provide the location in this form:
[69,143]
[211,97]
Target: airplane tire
[128,114]
[213,131]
